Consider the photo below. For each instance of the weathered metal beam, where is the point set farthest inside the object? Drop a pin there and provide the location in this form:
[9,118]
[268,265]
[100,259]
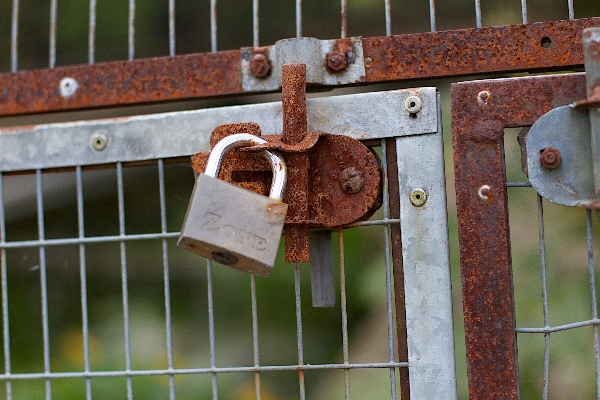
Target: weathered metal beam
[530,47]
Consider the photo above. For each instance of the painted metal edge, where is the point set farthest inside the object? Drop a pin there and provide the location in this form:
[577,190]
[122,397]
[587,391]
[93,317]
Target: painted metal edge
[386,58]
[426,261]
[360,116]
[481,110]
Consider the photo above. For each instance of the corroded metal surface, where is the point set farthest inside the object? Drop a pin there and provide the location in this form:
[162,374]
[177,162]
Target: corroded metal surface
[293,99]
[480,112]
[121,83]
[397,265]
[386,58]
[476,51]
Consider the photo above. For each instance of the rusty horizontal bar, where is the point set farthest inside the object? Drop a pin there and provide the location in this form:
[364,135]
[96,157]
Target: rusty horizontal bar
[120,83]
[508,48]
[480,112]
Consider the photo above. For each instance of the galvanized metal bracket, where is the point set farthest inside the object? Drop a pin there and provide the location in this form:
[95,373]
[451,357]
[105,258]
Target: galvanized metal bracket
[310,51]
[559,157]
[184,133]
[563,146]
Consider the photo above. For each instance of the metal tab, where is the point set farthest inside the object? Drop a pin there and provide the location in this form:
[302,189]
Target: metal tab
[176,134]
[322,277]
[310,51]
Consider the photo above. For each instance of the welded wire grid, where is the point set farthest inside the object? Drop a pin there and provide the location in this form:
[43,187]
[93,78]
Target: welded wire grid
[42,243]
[554,293]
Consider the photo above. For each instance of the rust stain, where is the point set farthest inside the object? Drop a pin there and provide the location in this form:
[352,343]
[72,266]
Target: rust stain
[477,135]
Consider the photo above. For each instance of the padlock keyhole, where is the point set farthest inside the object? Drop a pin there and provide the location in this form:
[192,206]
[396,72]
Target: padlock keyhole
[224,258]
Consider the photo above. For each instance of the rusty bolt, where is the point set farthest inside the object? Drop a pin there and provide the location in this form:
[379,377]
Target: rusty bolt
[260,65]
[550,158]
[337,61]
[352,180]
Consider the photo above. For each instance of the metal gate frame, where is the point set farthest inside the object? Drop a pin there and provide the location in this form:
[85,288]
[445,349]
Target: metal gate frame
[481,110]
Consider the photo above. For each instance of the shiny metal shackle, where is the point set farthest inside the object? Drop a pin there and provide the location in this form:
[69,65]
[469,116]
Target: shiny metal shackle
[238,140]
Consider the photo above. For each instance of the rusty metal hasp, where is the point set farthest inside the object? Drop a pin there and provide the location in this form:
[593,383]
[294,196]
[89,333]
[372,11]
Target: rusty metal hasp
[333,180]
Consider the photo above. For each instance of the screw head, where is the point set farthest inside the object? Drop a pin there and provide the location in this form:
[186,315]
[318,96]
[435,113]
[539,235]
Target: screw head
[337,61]
[352,180]
[260,65]
[99,141]
[484,192]
[413,104]
[550,158]
[483,97]
[68,87]
[418,197]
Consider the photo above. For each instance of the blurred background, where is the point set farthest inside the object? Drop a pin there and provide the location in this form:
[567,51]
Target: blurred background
[572,356]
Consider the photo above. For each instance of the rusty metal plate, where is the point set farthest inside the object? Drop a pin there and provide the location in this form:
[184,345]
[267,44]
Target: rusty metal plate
[121,83]
[476,51]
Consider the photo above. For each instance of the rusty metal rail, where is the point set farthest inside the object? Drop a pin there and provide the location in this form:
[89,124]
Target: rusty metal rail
[512,48]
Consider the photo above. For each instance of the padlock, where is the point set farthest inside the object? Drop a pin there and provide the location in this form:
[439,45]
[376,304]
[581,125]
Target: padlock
[231,225]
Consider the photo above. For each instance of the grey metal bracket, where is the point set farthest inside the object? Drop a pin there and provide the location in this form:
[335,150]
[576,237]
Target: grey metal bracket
[310,51]
[566,131]
[563,146]
[361,116]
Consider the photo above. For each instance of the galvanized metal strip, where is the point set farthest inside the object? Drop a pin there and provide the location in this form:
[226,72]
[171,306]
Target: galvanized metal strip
[381,115]
[310,51]
[426,267]
[385,58]
[480,112]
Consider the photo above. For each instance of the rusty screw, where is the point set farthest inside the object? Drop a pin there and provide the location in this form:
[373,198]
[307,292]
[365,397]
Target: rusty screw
[550,158]
[337,61]
[260,65]
[352,180]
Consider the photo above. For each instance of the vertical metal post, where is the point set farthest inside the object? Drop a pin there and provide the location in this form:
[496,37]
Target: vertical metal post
[426,267]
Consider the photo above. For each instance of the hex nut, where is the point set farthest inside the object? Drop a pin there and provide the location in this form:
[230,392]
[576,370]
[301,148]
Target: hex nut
[413,104]
[260,66]
[550,158]
[337,61]
[418,197]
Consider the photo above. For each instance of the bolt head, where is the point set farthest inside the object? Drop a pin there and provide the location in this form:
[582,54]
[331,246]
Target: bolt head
[260,65]
[68,87]
[550,158]
[352,180]
[337,61]
[484,192]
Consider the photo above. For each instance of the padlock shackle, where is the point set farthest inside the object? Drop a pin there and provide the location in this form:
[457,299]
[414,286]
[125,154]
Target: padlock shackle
[215,159]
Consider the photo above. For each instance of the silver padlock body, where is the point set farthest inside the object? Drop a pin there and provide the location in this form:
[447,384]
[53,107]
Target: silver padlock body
[233,226]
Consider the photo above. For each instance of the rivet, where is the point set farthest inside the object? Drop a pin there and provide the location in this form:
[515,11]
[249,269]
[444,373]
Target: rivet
[99,141]
[418,197]
[483,97]
[68,87]
[351,180]
[413,104]
[484,192]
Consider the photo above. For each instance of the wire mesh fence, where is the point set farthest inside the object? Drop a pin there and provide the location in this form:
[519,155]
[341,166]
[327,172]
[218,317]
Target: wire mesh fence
[99,302]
